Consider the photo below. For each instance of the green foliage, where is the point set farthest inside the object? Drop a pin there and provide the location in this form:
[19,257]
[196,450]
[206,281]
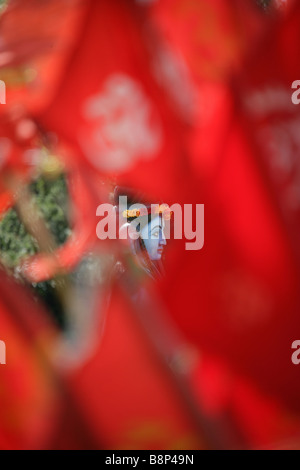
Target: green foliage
[15,242]
[51,198]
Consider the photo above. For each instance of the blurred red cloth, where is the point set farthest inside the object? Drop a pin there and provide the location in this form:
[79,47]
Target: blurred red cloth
[128,395]
[28,394]
[240,294]
[113,105]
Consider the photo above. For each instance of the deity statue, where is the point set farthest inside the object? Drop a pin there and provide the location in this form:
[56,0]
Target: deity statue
[148,225]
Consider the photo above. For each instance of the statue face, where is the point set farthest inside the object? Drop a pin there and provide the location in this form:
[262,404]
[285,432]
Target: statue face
[154,238]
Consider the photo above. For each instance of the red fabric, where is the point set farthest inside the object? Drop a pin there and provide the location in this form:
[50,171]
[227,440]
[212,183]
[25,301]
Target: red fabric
[240,294]
[110,94]
[128,396]
[28,392]
[238,298]
[36,41]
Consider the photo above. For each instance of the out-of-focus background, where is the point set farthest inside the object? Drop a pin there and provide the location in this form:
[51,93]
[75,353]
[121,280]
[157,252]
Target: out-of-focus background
[169,101]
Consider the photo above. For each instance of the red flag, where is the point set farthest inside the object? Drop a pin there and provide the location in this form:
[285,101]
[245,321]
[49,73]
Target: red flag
[127,393]
[29,395]
[242,297]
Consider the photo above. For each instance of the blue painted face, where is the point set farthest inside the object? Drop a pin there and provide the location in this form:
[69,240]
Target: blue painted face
[154,238]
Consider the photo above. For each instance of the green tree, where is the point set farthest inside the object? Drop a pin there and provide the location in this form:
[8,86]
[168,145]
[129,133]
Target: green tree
[16,243]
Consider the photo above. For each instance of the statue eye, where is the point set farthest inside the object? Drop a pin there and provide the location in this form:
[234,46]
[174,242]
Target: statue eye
[155,234]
